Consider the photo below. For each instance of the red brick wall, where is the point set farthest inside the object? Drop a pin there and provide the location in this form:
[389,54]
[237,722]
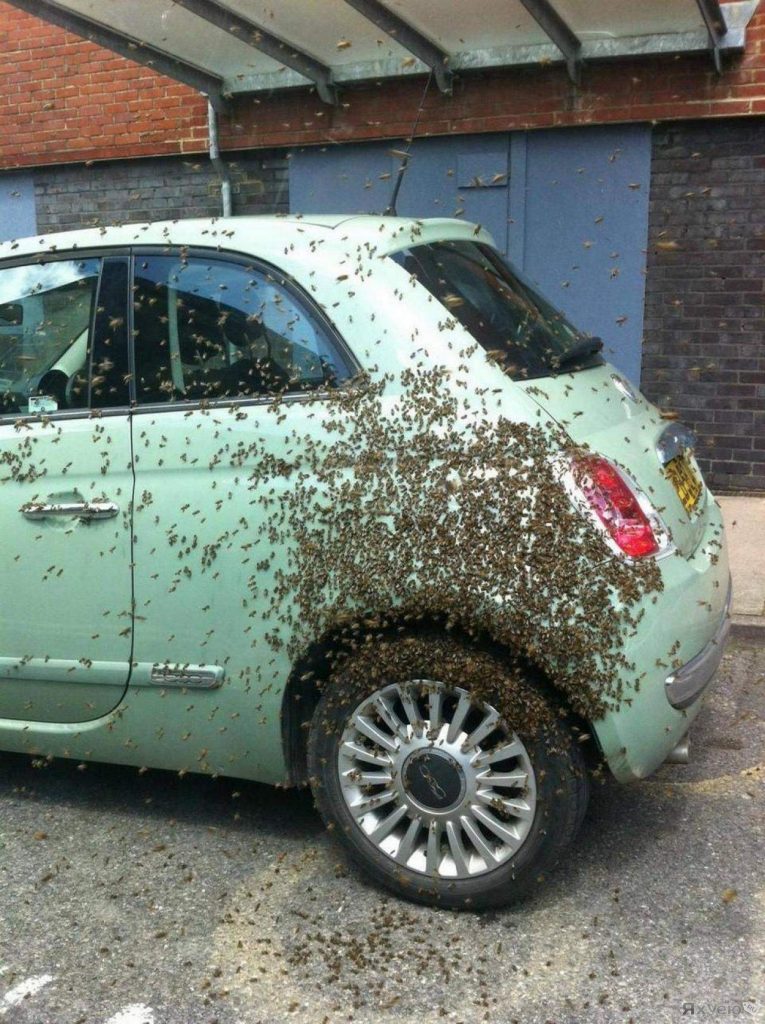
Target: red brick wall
[704,342]
[63,99]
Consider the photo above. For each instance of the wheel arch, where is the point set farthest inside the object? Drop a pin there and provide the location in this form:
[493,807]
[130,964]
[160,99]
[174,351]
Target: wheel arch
[313,667]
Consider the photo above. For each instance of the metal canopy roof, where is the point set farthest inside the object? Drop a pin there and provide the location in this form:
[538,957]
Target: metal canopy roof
[229,47]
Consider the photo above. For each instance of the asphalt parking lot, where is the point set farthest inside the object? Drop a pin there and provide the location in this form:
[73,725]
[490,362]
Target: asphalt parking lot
[128,898]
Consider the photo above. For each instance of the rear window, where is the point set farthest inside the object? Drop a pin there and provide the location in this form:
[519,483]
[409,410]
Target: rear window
[518,328]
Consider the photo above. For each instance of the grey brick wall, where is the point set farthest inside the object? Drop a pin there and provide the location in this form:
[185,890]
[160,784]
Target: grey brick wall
[163,188]
[704,347]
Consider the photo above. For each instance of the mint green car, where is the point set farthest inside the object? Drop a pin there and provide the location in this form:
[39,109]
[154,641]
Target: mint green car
[186,587]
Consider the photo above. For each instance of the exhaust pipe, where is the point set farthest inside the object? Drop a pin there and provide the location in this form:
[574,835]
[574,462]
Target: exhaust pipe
[682,752]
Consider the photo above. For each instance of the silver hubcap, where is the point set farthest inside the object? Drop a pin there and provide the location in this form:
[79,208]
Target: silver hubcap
[436,782]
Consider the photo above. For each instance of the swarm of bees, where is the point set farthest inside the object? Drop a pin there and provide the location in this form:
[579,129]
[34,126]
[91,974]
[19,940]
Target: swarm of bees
[410,524]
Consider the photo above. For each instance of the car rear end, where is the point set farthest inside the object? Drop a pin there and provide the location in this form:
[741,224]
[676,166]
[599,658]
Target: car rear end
[681,640]
[636,477]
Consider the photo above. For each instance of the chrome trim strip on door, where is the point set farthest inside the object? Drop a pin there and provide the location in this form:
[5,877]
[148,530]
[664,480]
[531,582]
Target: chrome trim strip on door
[201,677]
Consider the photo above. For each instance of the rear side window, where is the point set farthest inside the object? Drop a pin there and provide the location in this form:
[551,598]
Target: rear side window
[207,329]
[46,316]
[516,326]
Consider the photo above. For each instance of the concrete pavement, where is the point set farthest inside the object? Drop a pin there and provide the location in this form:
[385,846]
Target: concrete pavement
[745,532]
[131,898]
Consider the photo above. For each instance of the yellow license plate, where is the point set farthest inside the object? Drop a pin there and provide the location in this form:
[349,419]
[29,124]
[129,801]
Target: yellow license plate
[685,481]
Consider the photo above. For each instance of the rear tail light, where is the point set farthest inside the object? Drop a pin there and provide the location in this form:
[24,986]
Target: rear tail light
[616,505]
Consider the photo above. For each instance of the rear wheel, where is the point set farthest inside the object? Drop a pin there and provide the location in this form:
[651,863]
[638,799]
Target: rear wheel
[434,793]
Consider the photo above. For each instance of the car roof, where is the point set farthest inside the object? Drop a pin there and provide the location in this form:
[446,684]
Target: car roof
[265,235]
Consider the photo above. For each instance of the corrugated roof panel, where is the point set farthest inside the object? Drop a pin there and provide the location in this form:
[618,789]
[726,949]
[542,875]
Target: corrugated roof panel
[328,29]
[350,47]
[169,27]
[593,19]
[459,27]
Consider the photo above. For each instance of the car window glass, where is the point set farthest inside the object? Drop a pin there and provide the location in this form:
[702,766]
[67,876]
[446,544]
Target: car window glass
[46,313]
[517,326]
[207,329]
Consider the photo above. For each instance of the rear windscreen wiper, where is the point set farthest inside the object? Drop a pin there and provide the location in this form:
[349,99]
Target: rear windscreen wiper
[582,349]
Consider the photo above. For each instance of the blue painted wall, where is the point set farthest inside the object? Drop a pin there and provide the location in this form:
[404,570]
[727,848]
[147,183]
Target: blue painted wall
[17,206]
[569,207]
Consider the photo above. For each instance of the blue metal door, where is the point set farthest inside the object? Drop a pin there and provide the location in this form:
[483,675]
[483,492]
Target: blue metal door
[579,206]
[446,177]
[568,206]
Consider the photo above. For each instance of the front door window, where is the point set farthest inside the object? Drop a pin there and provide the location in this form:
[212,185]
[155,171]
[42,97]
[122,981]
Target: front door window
[46,312]
[209,329]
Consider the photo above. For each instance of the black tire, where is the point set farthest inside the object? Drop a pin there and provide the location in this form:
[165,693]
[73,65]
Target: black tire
[559,772]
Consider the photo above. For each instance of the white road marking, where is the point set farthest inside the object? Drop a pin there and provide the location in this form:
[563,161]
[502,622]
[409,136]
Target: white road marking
[136,1013]
[29,987]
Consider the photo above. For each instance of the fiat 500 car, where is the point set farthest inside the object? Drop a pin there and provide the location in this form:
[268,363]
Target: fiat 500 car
[345,502]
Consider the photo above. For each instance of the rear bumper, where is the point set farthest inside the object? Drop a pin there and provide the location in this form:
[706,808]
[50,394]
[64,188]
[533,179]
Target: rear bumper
[687,683]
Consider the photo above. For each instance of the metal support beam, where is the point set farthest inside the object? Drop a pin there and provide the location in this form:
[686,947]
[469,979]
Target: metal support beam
[126,46]
[556,29]
[714,19]
[409,37]
[259,38]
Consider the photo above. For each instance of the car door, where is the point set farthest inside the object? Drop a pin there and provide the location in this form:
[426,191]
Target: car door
[66,484]
[215,339]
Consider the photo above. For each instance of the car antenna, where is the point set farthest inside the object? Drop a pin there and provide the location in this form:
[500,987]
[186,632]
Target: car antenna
[390,209]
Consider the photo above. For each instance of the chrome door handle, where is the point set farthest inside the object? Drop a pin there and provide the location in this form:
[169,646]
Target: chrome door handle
[75,509]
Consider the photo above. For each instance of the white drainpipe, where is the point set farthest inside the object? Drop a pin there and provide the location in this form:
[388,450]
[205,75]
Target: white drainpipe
[218,164]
